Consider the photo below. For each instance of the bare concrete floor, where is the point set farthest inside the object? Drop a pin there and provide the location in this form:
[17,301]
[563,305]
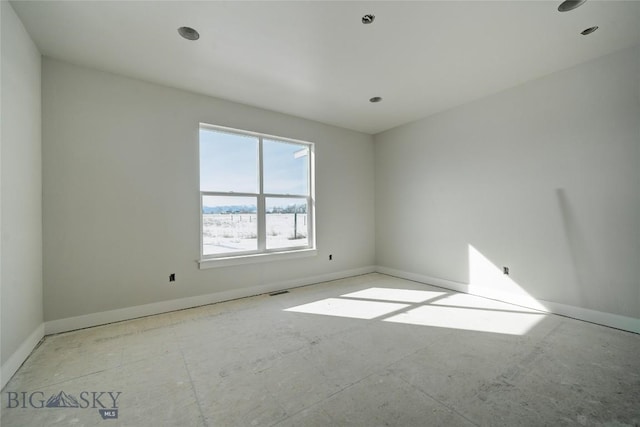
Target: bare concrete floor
[366,351]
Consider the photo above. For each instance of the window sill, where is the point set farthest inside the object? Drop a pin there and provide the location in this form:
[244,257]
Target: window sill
[255,258]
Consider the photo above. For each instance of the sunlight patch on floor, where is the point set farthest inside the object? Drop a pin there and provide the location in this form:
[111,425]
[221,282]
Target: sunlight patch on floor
[483,320]
[427,308]
[472,301]
[356,309]
[397,295]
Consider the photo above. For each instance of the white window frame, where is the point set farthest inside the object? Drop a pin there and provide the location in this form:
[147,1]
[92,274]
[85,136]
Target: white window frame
[261,254]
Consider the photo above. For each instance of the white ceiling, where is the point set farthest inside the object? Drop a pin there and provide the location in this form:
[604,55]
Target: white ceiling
[317,60]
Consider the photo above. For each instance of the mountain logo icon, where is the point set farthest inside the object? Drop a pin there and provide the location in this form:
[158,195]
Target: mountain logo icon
[62,400]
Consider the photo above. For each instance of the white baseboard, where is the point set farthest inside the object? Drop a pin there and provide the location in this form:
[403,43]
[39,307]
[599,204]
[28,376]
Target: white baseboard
[428,280]
[127,313]
[617,321]
[20,355]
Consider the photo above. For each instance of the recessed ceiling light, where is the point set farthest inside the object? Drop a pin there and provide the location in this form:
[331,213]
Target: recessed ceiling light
[188,33]
[568,5]
[589,30]
[375,99]
[368,19]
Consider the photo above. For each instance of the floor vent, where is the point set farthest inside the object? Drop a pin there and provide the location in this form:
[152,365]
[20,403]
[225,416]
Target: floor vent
[273,294]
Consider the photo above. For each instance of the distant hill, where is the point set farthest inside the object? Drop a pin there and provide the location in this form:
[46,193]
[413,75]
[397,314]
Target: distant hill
[245,209]
[235,209]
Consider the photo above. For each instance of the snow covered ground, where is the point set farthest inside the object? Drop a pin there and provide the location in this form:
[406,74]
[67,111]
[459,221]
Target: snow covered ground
[227,233]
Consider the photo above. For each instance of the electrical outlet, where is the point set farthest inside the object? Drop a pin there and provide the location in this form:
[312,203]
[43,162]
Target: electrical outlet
[172,277]
[505,270]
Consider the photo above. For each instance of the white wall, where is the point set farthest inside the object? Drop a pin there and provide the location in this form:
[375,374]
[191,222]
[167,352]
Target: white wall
[121,194]
[21,190]
[543,178]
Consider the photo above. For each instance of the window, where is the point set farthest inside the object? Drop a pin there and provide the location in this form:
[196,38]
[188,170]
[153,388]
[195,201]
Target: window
[256,194]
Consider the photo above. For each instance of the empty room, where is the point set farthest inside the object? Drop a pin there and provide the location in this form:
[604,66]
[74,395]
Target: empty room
[320,213]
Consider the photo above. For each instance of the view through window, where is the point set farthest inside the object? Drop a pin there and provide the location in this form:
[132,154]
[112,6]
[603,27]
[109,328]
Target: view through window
[255,193]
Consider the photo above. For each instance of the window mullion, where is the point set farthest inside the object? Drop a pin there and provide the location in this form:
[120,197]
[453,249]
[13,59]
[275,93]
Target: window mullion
[310,222]
[201,227]
[262,210]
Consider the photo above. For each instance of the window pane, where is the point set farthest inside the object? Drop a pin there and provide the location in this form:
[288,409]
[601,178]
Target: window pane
[228,162]
[286,223]
[286,168]
[229,224]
